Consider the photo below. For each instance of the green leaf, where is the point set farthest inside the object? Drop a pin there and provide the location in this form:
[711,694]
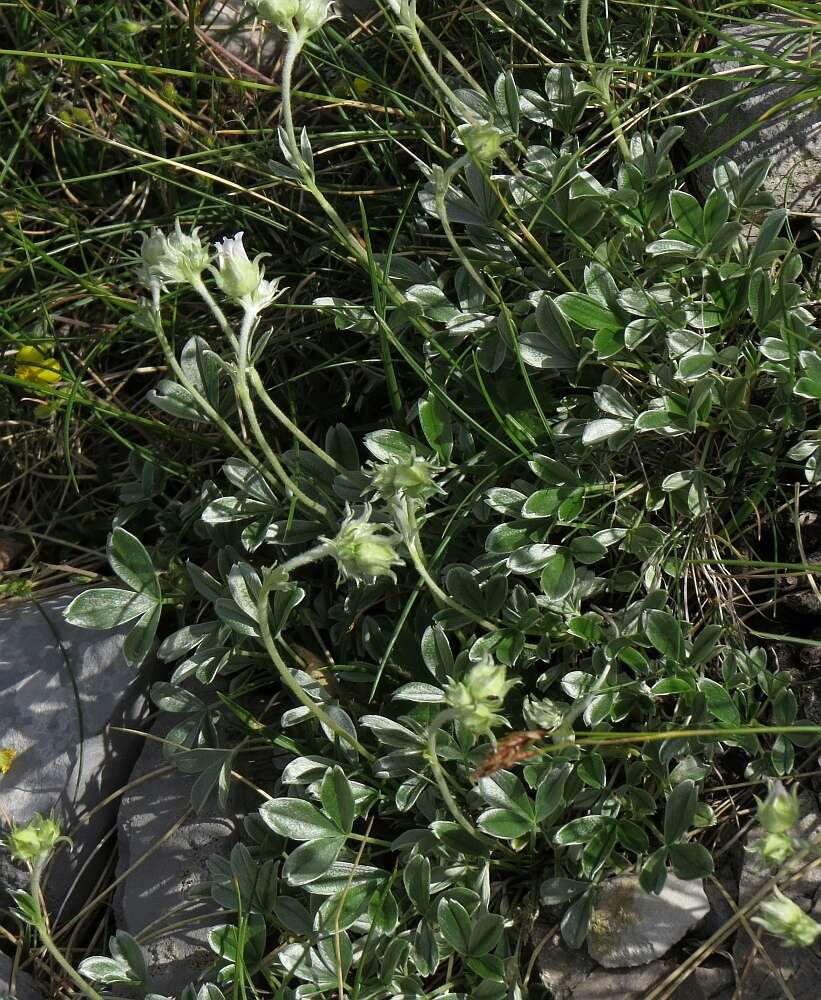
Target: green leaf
[504,824]
[720,702]
[436,425]
[664,632]
[580,831]
[106,971]
[485,932]
[383,911]
[107,607]
[671,685]
[297,819]
[312,861]
[132,563]
[416,878]
[597,431]
[558,576]
[337,799]
[576,921]
[551,345]
[691,860]
[654,873]
[550,793]
[555,891]
[139,640]
[387,444]
[592,771]
[504,790]
[587,312]
[679,811]
[454,921]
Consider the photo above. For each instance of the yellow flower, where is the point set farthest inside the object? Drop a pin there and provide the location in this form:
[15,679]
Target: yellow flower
[7,755]
[33,366]
[361,86]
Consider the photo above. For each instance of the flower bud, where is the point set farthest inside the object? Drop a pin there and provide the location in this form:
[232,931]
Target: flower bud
[775,848]
[482,141]
[779,812]
[304,16]
[409,477]
[476,698]
[242,279]
[34,840]
[175,259]
[542,713]
[363,551]
[784,918]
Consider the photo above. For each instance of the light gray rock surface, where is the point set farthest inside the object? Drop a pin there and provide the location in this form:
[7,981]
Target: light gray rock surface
[750,79]
[24,986]
[60,689]
[232,24]
[799,967]
[157,894]
[632,927]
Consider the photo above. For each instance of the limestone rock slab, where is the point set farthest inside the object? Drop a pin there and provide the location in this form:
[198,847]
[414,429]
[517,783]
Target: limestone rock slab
[62,688]
[156,897]
[756,72]
[632,927]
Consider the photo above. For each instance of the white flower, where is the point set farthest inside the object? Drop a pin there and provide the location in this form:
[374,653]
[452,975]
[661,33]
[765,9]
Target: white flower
[784,918]
[475,699]
[242,279]
[304,16]
[363,551]
[175,259]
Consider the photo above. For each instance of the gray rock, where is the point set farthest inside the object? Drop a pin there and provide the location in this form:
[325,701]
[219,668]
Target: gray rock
[799,967]
[233,25]
[561,969]
[791,137]
[626,984]
[632,927]
[61,687]
[24,986]
[155,901]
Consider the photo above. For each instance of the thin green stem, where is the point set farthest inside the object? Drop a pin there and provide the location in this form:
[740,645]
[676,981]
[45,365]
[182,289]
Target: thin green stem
[288,424]
[288,679]
[439,774]
[203,404]
[45,937]
[219,315]
[244,395]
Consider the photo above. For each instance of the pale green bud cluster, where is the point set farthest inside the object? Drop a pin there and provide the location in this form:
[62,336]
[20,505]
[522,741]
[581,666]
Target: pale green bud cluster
[176,259]
[777,814]
[411,477]
[242,279]
[35,840]
[302,16]
[363,551]
[543,713]
[476,699]
[786,919]
[483,141]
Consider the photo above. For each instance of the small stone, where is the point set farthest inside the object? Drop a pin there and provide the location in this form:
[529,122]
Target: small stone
[156,897]
[632,927]
[758,98]
[63,689]
[24,986]
[630,984]
[561,969]
[234,26]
